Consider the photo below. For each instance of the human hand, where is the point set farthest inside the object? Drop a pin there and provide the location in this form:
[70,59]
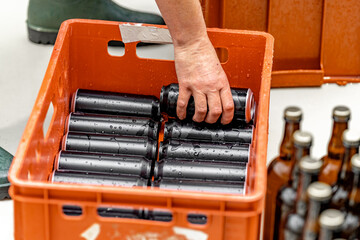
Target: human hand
[201,75]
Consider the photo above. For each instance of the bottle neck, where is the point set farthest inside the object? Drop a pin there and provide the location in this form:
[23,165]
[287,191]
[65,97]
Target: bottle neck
[354,199]
[346,174]
[326,234]
[301,197]
[286,147]
[314,210]
[336,147]
[305,180]
[299,152]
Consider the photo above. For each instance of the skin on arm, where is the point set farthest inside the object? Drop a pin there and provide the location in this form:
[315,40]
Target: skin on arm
[198,68]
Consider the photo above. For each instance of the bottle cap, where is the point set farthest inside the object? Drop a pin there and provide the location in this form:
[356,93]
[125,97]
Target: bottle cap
[303,139]
[341,114]
[319,191]
[331,219]
[293,114]
[355,163]
[249,106]
[310,165]
[350,138]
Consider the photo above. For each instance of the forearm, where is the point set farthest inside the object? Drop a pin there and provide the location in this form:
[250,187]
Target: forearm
[184,19]
[198,69]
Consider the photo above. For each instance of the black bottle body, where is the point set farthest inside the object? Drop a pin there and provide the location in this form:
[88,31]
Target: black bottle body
[90,101]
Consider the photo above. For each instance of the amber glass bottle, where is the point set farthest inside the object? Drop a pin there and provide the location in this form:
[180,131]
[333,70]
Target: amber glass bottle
[285,199]
[319,195]
[345,178]
[351,228]
[294,222]
[331,222]
[279,168]
[333,159]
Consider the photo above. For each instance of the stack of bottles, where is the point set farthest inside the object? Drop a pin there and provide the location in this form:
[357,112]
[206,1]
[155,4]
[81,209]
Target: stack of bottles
[314,198]
[112,139]
[204,157]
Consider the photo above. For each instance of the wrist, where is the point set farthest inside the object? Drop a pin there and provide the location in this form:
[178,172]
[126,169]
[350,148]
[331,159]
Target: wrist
[196,46]
[190,40]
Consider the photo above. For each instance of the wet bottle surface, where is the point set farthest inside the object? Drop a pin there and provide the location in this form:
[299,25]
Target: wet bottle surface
[224,152]
[97,179]
[112,125]
[278,173]
[345,178]
[140,146]
[208,132]
[333,159]
[294,222]
[352,220]
[319,195]
[90,101]
[200,186]
[331,222]
[244,104]
[103,163]
[178,169]
[285,199]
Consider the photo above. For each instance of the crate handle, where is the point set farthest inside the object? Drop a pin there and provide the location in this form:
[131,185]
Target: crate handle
[116,48]
[135,213]
[197,218]
[72,210]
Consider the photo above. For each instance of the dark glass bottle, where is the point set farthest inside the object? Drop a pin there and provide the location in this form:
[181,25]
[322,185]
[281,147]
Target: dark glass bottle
[333,159]
[90,101]
[294,223]
[206,151]
[98,179]
[244,103]
[285,199]
[278,173]
[188,169]
[103,164]
[319,195]
[197,185]
[112,125]
[331,222]
[345,178]
[109,144]
[183,130]
[352,225]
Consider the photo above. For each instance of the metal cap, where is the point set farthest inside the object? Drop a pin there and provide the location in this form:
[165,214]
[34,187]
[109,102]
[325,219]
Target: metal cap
[319,191]
[341,114]
[331,219]
[350,138]
[303,139]
[310,165]
[249,106]
[293,114]
[355,163]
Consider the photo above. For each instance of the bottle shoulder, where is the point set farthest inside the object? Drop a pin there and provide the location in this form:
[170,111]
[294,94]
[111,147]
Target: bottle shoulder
[287,195]
[340,196]
[279,167]
[351,223]
[295,223]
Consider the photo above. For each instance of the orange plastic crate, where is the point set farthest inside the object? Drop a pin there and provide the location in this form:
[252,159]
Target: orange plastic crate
[316,41]
[80,60]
